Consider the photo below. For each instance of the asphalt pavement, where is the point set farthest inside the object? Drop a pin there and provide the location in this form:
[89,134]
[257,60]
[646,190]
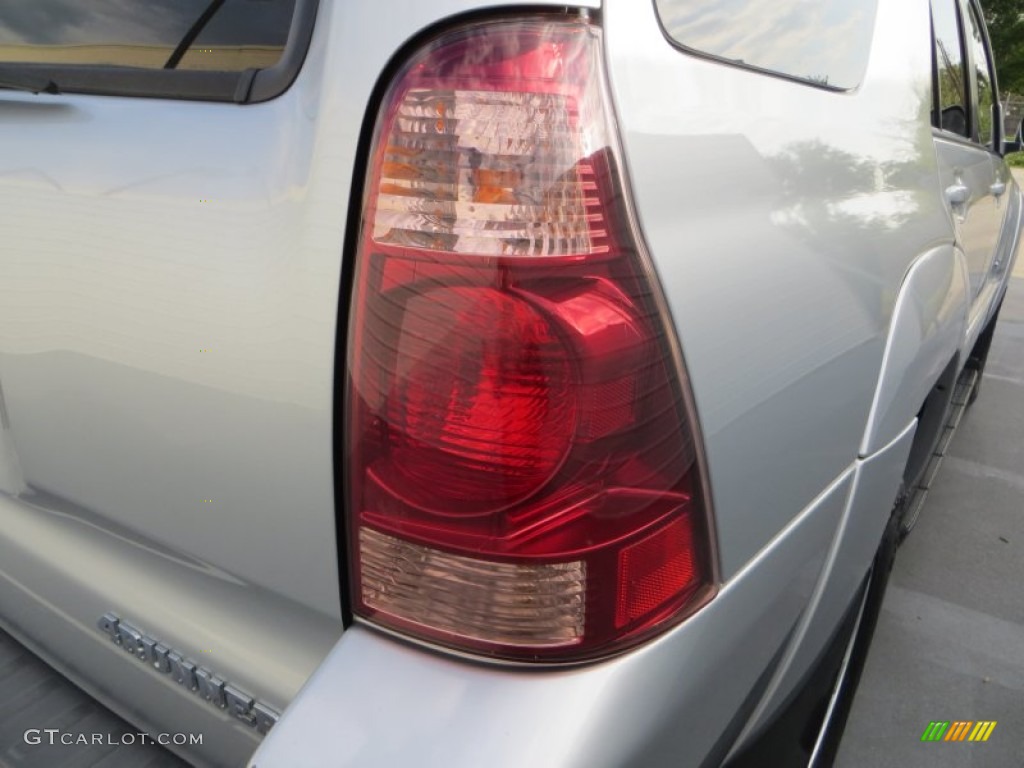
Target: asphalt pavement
[950,641]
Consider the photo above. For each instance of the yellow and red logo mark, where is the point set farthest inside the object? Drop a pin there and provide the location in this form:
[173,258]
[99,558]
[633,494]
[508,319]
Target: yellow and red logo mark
[958,730]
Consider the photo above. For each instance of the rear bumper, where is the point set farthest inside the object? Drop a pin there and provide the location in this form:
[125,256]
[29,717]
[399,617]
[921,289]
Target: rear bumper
[683,699]
[680,700]
[378,701]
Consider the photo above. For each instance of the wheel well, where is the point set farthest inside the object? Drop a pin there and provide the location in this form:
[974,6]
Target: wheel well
[931,419]
[979,354]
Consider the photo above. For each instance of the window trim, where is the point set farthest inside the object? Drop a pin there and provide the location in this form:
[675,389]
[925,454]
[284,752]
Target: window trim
[972,73]
[936,90]
[989,64]
[246,87]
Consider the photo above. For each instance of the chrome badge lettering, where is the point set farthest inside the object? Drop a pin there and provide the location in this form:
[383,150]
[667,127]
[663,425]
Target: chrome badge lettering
[188,674]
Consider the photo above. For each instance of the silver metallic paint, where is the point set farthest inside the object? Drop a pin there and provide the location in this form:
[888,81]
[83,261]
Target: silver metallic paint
[376,701]
[166,334]
[114,276]
[875,485]
[188,672]
[781,243]
[169,282]
[928,328]
[784,302]
[58,572]
[977,221]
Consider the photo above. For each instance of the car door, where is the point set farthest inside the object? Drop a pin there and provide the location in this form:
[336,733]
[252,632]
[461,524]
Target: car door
[990,130]
[964,136]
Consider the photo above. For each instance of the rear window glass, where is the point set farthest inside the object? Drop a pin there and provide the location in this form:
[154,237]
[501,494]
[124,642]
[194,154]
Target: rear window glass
[825,42]
[237,34]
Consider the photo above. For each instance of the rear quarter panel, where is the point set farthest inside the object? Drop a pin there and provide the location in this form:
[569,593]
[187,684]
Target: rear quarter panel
[782,219]
[782,245]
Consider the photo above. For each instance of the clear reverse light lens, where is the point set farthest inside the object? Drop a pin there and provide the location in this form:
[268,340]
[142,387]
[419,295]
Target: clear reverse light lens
[507,603]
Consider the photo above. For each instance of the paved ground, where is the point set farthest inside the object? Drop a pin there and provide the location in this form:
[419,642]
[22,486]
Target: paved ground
[950,641]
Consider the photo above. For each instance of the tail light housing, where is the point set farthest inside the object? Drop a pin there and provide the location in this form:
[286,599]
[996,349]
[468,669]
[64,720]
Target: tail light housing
[522,468]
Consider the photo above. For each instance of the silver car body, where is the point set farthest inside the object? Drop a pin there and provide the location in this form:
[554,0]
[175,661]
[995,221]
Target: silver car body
[169,301]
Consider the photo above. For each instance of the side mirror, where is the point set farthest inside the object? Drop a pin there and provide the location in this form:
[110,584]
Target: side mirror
[954,119]
[1016,143]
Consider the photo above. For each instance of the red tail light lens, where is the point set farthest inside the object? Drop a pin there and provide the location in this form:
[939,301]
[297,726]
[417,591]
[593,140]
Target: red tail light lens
[522,471]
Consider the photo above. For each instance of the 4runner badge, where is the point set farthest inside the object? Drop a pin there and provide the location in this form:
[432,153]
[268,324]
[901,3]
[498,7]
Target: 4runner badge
[188,674]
